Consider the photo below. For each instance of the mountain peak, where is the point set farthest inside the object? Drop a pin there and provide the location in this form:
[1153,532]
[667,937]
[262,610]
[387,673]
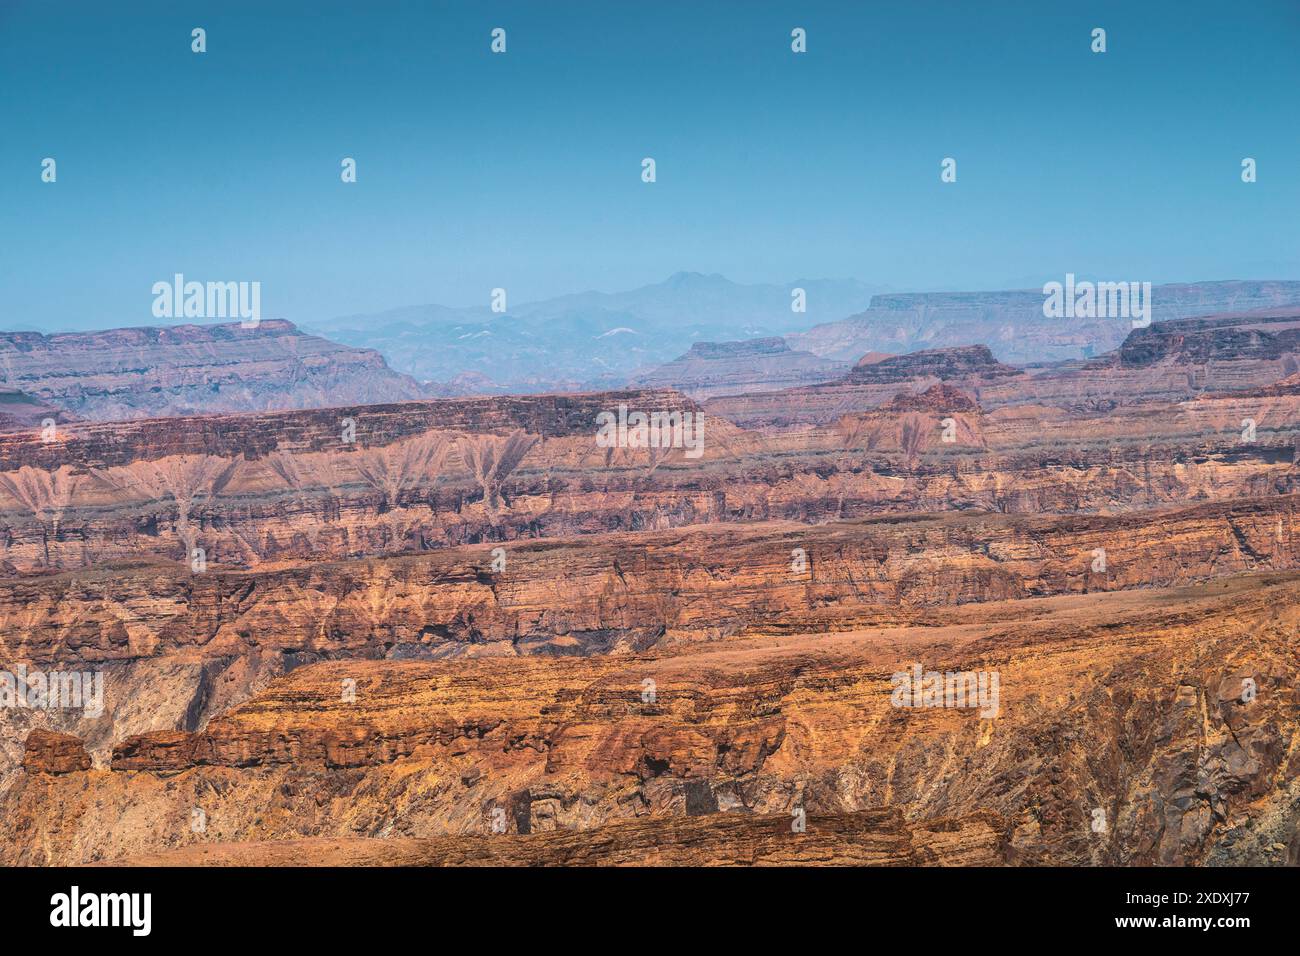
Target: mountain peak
[680,280]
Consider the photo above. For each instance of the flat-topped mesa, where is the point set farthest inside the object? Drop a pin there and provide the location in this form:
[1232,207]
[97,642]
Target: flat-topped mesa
[732,368]
[772,345]
[1268,336]
[952,363]
[131,373]
[147,336]
[47,751]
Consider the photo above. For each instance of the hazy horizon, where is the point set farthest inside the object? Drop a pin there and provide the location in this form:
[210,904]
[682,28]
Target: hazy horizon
[323,322]
[522,170]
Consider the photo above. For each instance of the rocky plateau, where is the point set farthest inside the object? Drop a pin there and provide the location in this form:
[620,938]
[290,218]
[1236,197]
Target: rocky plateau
[465,632]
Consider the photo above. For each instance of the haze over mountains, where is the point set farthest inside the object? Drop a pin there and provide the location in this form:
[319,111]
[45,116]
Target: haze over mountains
[701,335]
[1012,323]
[587,340]
[649,335]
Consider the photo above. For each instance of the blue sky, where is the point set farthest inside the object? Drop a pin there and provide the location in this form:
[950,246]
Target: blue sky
[523,170]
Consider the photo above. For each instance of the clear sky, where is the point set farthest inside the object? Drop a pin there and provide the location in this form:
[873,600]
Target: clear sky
[523,170]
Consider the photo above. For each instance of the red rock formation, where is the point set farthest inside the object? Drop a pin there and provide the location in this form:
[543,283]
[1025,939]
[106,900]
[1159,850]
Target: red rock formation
[972,361]
[631,592]
[47,751]
[941,398]
[282,488]
[671,652]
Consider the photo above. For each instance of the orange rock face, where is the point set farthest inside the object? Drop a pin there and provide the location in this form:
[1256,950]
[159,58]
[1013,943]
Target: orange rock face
[47,751]
[984,617]
[1085,719]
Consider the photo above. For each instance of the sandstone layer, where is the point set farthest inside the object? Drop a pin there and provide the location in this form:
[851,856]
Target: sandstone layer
[1172,713]
[469,632]
[261,490]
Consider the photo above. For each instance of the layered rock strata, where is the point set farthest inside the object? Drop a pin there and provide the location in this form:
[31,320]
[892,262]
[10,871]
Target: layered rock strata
[1168,715]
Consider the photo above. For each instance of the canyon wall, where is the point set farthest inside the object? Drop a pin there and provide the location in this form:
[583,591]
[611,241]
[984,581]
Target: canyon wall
[465,632]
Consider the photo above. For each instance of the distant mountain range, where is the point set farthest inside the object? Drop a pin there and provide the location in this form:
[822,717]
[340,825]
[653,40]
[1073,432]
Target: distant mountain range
[705,334]
[1012,323]
[589,340]
[702,335]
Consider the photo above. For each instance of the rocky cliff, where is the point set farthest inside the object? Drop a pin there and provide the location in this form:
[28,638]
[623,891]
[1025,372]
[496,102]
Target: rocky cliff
[194,370]
[253,491]
[1167,716]
[733,368]
[468,631]
[967,362]
[1166,362]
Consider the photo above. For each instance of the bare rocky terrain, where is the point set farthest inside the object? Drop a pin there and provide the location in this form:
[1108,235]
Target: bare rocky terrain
[461,632]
